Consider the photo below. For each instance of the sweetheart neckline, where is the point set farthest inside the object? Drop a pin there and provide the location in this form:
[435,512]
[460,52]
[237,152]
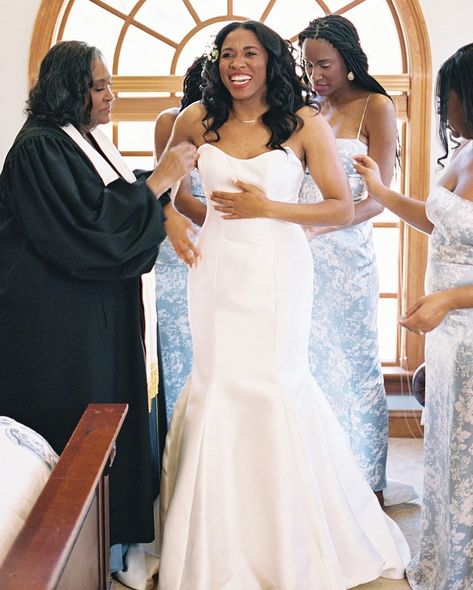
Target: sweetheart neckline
[290,150]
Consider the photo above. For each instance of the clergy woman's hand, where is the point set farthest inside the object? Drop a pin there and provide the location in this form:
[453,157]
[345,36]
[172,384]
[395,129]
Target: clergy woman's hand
[180,230]
[250,202]
[178,160]
[173,164]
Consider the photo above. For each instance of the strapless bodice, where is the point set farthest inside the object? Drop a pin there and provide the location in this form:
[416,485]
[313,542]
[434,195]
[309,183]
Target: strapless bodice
[450,261]
[277,173]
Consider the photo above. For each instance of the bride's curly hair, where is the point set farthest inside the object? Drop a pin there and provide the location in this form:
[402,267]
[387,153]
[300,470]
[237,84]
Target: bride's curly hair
[286,92]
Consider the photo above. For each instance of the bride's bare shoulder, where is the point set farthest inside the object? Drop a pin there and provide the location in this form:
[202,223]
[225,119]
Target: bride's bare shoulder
[189,125]
[195,112]
[314,125]
[311,115]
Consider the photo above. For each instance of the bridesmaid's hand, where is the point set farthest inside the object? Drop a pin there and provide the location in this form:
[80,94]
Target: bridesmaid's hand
[426,313]
[179,230]
[251,202]
[369,169]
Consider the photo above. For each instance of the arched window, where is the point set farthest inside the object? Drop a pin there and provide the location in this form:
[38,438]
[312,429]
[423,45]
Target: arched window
[149,43]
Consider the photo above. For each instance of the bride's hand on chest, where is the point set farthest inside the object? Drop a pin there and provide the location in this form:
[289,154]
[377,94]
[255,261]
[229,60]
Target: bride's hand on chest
[248,202]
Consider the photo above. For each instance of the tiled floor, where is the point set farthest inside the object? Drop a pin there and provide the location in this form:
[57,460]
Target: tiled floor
[405,460]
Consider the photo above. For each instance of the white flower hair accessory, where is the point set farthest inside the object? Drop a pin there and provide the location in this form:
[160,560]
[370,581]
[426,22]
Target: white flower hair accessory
[211,50]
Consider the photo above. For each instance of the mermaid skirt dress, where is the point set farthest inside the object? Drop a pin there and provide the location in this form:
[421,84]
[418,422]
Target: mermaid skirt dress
[260,489]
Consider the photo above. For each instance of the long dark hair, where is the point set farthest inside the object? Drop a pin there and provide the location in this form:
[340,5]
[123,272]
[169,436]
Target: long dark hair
[342,34]
[62,92]
[192,85]
[455,74]
[286,92]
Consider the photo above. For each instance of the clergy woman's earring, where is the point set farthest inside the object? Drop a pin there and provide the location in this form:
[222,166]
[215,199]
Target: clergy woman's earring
[350,76]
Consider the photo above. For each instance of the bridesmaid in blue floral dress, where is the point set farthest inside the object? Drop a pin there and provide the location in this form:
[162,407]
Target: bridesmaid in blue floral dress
[344,337]
[171,273]
[445,560]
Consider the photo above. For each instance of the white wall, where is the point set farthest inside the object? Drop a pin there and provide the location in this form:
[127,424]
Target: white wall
[449,27]
[17,18]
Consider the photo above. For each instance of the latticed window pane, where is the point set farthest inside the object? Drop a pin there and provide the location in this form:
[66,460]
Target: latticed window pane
[161,34]
[377,31]
[208,9]
[388,329]
[171,19]
[88,22]
[289,22]
[144,55]
[124,6]
[386,242]
[254,7]
[197,45]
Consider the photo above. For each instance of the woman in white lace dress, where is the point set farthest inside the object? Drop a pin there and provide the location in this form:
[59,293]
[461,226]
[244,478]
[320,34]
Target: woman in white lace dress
[445,560]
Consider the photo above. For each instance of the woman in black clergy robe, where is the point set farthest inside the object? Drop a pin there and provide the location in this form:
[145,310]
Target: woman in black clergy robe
[77,232]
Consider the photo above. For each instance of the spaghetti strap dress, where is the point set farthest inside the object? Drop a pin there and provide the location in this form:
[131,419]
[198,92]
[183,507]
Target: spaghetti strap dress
[343,345]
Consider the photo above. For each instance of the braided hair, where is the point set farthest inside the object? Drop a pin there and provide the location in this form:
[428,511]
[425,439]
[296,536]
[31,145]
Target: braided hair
[286,92]
[455,74]
[343,36]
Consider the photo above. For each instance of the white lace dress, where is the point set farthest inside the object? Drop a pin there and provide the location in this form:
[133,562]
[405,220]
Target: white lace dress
[445,561]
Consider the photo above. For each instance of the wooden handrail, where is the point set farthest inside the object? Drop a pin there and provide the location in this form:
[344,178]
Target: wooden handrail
[40,552]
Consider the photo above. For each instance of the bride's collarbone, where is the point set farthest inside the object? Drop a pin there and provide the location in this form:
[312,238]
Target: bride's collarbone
[244,140]
[241,149]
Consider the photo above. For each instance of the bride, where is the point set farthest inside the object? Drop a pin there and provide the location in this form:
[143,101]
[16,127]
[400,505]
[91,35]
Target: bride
[259,488]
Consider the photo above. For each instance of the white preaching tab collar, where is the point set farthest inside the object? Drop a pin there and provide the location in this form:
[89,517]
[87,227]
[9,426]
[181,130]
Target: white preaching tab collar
[103,168]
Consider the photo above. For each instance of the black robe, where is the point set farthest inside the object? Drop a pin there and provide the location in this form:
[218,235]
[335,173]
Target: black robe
[71,255]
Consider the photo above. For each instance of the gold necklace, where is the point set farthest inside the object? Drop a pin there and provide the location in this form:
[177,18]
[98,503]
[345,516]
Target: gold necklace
[246,121]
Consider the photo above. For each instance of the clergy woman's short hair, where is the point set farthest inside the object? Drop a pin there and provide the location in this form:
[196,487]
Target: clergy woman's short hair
[62,92]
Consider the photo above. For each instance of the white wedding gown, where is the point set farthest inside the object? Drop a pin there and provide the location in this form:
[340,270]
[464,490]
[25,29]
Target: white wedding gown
[260,490]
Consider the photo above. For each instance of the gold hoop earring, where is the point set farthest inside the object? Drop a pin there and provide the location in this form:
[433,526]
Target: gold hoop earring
[350,76]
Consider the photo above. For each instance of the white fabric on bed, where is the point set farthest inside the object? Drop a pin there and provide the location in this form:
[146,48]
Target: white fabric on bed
[26,462]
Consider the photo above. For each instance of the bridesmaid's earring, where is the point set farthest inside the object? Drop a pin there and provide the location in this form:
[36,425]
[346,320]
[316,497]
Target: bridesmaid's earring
[350,76]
